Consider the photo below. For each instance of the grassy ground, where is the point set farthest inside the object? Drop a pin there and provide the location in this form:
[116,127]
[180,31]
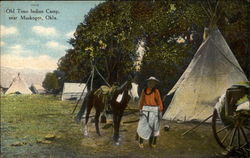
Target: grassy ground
[26,120]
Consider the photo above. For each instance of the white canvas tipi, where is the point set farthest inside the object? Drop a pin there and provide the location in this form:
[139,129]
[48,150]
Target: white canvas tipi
[212,70]
[18,86]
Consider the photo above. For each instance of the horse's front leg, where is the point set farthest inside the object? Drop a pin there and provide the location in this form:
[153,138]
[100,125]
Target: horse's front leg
[97,115]
[119,122]
[116,128]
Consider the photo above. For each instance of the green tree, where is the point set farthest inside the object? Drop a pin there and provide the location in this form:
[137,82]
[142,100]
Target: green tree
[110,33]
[51,83]
[164,22]
[105,40]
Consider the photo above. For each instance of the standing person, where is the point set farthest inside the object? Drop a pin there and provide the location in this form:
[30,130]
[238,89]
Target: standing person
[151,108]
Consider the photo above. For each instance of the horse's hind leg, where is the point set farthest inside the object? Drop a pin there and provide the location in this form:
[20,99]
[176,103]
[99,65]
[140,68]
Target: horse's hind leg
[97,115]
[89,107]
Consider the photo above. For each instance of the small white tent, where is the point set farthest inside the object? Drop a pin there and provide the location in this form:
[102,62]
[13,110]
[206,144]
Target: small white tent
[37,89]
[1,90]
[212,70]
[73,91]
[18,86]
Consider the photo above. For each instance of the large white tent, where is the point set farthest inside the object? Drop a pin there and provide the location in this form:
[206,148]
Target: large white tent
[18,86]
[72,91]
[212,70]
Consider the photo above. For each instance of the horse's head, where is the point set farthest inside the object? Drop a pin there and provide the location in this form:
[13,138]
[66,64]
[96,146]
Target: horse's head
[129,85]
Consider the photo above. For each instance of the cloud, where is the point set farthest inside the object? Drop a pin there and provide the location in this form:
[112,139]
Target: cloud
[31,41]
[5,31]
[55,45]
[44,31]
[42,62]
[2,43]
[17,49]
[70,34]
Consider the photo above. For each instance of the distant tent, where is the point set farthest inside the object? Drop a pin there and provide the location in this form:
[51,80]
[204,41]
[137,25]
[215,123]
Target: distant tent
[18,86]
[212,70]
[37,89]
[1,90]
[73,91]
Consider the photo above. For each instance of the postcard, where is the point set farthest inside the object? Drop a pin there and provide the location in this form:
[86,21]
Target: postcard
[125,79]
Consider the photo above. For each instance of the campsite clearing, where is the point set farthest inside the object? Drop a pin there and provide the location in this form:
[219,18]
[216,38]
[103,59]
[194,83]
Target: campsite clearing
[42,126]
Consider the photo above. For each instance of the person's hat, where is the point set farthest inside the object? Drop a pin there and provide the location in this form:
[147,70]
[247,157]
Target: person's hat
[153,79]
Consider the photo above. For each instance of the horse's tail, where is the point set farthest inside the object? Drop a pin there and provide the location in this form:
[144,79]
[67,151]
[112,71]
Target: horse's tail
[83,107]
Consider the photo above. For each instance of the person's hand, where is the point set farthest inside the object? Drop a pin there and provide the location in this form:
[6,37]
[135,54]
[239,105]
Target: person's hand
[160,114]
[140,112]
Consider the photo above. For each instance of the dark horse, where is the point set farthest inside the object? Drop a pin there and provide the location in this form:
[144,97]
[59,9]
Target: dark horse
[91,100]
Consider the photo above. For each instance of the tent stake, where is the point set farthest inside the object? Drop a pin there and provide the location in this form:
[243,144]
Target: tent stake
[197,125]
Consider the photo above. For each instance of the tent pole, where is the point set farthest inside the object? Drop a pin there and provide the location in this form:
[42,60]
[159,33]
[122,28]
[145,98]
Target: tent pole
[82,93]
[210,7]
[197,125]
[91,84]
[102,76]
[207,12]
[92,78]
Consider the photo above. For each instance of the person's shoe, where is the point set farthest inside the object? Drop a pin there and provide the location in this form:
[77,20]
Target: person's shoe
[141,145]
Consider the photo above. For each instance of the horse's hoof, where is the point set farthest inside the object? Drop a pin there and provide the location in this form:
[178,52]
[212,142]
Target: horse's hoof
[85,133]
[117,143]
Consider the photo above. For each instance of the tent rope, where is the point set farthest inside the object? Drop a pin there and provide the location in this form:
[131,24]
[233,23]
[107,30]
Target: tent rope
[92,78]
[101,76]
[82,93]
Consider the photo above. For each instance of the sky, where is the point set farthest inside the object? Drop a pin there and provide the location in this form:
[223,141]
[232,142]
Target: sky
[32,38]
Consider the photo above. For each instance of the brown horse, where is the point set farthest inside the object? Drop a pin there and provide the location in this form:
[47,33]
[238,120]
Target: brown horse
[91,100]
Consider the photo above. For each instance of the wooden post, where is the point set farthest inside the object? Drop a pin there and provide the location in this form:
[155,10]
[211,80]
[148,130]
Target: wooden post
[197,125]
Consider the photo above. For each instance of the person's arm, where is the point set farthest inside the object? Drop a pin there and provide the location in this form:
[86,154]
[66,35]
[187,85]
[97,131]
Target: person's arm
[158,100]
[141,102]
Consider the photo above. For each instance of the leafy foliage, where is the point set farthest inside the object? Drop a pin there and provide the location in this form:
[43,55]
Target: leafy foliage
[104,40]
[172,31]
[51,83]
